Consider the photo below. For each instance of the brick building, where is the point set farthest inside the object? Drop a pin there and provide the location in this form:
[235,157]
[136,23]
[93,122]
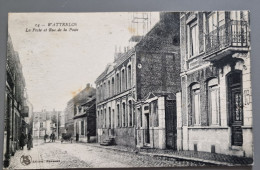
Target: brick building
[214,107]
[16,109]
[133,91]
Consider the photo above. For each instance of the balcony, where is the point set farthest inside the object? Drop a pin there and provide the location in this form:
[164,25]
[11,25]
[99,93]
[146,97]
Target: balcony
[226,40]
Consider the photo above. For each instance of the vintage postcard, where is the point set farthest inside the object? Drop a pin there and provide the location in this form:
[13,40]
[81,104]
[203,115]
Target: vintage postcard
[128,89]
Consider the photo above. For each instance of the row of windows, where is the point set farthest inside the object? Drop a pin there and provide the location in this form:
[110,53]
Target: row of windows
[124,116]
[121,82]
[213,103]
[214,21]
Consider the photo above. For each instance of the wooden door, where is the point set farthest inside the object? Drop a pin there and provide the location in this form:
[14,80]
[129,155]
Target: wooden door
[171,124]
[236,108]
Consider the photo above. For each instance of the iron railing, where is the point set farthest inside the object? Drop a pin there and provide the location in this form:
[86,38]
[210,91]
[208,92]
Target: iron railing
[232,34]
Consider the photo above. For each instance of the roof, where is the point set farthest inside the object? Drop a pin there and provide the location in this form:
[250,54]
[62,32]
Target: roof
[112,66]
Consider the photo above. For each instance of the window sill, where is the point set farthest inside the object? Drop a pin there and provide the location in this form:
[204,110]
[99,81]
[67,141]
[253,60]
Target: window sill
[208,127]
[195,56]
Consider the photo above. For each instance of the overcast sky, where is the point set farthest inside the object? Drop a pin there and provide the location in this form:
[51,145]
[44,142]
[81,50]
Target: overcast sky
[58,64]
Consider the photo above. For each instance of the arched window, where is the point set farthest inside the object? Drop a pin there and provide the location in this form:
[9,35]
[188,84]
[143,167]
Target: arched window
[118,83]
[195,101]
[129,77]
[108,90]
[130,110]
[113,87]
[123,115]
[118,115]
[123,80]
[213,101]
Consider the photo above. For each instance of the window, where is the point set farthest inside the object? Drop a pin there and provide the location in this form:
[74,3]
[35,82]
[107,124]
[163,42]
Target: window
[118,83]
[108,89]
[194,39]
[113,87]
[105,118]
[113,118]
[196,104]
[140,117]
[109,117]
[123,116]
[41,124]
[123,80]
[130,113]
[129,77]
[213,98]
[118,114]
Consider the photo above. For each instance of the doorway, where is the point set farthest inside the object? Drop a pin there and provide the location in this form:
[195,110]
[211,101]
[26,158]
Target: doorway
[235,99]
[147,129]
[171,124]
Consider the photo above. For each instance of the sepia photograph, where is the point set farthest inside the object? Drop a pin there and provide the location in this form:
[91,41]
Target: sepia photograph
[128,89]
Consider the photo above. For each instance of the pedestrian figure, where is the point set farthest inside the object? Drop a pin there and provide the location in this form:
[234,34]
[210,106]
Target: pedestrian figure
[22,140]
[88,136]
[77,137]
[45,138]
[30,141]
[53,137]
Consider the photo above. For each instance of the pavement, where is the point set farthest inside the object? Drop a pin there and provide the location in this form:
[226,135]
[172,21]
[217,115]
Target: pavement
[83,155]
[194,156]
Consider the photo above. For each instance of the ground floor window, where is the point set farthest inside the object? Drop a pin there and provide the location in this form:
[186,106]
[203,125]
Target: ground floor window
[213,99]
[195,100]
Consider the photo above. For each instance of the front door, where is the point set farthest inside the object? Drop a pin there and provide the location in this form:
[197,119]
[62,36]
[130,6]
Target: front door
[171,124]
[236,108]
[147,129]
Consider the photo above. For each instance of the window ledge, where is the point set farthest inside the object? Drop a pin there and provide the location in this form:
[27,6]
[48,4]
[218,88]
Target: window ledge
[195,56]
[208,127]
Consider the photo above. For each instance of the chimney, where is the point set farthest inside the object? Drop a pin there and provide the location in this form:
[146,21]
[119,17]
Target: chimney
[88,85]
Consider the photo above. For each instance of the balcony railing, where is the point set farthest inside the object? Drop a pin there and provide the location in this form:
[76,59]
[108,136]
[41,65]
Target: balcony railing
[232,34]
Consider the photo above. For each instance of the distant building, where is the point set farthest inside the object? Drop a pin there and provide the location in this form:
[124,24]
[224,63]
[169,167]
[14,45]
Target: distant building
[215,104]
[75,103]
[85,120]
[136,93]
[45,122]
[16,109]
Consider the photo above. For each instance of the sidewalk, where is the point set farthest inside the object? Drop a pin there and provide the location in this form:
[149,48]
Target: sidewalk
[205,157]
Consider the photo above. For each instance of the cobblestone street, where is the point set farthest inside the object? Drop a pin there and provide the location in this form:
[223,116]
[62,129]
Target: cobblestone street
[78,155]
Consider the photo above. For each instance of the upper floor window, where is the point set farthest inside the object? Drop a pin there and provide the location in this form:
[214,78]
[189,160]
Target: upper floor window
[123,80]
[193,39]
[109,89]
[41,124]
[118,83]
[216,19]
[129,77]
[113,87]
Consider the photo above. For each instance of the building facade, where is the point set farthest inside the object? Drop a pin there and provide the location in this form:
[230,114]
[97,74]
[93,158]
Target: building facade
[214,106]
[85,120]
[45,122]
[73,109]
[16,109]
[133,90]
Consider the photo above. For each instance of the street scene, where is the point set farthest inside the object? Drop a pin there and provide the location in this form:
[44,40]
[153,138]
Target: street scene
[133,89]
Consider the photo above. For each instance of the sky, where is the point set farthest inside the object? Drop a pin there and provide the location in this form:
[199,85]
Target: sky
[58,64]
